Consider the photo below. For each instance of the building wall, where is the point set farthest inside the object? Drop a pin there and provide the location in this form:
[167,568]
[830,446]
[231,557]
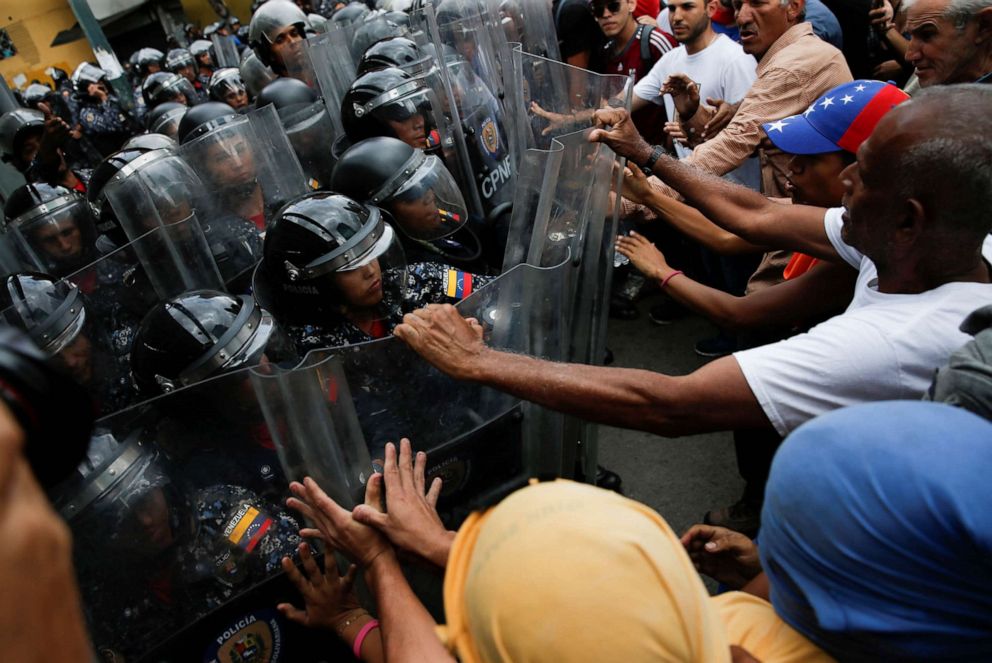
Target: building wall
[32,26]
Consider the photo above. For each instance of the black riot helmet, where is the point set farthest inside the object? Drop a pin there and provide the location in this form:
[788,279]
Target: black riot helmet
[351,13]
[378,100]
[266,24]
[53,226]
[416,189]
[201,334]
[118,163]
[203,52]
[179,58]
[146,58]
[204,118]
[374,27]
[165,118]
[50,311]
[400,52]
[319,236]
[288,95]
[164,86]
[15,127]
[35,94]
[254,73]
[150,141]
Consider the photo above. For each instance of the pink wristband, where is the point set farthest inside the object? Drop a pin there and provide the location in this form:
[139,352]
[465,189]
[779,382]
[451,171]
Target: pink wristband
[670,277]
[357,647]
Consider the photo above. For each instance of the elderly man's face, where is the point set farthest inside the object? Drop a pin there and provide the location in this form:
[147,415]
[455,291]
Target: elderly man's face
[941,53]
[762,22]
[871,198]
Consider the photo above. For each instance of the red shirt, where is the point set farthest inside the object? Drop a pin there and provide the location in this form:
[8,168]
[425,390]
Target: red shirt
[647,8]
[629,59]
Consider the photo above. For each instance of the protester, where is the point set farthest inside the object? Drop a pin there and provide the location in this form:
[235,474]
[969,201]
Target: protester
[895,564]
[949,41]
[868,353]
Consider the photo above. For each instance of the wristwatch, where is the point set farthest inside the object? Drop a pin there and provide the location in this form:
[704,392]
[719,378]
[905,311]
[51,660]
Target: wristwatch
[648,166]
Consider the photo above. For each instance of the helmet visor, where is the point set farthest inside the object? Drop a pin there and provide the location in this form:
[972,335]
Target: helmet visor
[428,205]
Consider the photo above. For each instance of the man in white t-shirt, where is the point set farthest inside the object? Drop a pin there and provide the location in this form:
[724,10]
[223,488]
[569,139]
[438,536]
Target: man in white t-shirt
[917,200]
[717,64]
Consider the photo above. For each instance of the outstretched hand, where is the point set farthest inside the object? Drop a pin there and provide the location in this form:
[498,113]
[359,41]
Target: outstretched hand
[410,520]
[328,597]
[334,525]
[685,94]
[55,132]
[449,342]
[643,255]
[616,129]
[727,556]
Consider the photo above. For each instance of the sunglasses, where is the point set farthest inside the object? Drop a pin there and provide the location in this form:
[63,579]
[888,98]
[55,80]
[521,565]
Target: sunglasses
[599,10]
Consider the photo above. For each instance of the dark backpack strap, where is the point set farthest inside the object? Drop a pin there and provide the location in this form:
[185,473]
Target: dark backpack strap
[645,32]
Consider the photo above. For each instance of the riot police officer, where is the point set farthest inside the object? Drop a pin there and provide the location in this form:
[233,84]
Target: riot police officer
[420,196]
[165,118]
[180,61]
[203,52]
[334,274]
[92,352]
[51,228]
[155,551]
[227,87]
[400,52]
[374,27]
[308,125]
[165,86]
[20,136]
[276,34]
[254,73]
[98,113]
[389,102]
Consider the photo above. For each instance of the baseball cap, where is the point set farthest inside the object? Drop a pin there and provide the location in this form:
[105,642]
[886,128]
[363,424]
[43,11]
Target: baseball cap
[839,120]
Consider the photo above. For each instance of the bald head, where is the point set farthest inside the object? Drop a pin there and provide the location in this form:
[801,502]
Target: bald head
[944,156]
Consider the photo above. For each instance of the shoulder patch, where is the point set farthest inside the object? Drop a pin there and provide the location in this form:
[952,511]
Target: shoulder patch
[457,284]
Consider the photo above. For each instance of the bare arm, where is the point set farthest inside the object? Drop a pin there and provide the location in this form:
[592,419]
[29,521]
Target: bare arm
[685,218]
[824,290]
[408,630]
[716,397]
[736,208]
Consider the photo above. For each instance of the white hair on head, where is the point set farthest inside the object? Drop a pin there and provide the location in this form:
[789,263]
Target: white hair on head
[958,12]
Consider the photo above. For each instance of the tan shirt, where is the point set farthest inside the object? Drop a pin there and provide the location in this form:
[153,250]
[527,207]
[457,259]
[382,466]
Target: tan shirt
[797,69]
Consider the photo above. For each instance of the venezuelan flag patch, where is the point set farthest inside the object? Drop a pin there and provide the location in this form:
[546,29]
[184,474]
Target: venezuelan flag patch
[248,528]
[457,285]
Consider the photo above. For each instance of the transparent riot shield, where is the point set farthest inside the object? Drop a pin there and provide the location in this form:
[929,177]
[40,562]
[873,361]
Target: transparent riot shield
[86,321]
[311,131]
[375,26]
[250,170]
[158,199]
[225,51]
[333,415]
[333,68]
[530,24]
[179,524]
[563,209]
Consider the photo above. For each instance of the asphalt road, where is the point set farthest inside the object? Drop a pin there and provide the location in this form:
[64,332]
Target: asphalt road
[680,478]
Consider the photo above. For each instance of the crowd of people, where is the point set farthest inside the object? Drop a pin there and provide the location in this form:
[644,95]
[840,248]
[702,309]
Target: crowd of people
[813,177]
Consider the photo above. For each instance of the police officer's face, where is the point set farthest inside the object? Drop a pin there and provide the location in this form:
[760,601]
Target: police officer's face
[419,218]
[361,288]
[236,98]
[77,358]
[60,240]
[288,45]
[149,528]
[29,147]
[187,73]
[230,162]
[411,131]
